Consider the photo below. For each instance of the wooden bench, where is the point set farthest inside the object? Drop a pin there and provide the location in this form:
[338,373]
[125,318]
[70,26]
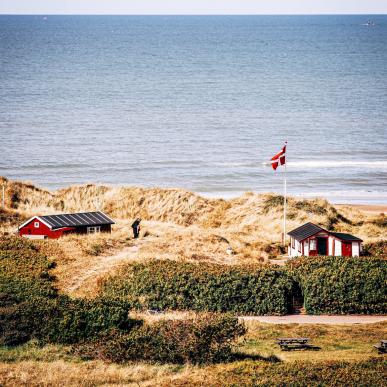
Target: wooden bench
[382,346]
[291,343]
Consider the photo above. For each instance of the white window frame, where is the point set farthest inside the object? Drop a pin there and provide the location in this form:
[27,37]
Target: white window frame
[93,229]
[36,224]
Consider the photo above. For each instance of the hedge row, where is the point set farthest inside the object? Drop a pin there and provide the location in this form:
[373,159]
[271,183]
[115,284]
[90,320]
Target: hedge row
[61,320]
[342,285]
[160,284]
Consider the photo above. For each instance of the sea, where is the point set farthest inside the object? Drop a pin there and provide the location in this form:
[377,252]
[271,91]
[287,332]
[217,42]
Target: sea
[197,102]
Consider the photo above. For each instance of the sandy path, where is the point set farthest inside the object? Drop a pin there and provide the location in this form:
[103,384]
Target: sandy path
[104,264]
[322,319]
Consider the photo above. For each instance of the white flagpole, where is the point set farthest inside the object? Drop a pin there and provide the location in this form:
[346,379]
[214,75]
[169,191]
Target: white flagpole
[284,238]
[284,228]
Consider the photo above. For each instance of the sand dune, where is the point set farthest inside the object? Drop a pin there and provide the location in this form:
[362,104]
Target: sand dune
[177,225]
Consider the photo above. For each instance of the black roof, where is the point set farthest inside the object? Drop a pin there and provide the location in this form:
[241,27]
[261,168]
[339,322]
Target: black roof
[346,237]
[78,219]
[309,229]
[305,231]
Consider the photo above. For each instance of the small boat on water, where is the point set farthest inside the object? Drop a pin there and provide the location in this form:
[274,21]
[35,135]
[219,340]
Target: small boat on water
[369,23]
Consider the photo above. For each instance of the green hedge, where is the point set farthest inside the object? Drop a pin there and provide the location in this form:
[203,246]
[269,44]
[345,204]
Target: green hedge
[30,306]
[61,320]
[207,338]
[342,285]
[24,272]
[158,284]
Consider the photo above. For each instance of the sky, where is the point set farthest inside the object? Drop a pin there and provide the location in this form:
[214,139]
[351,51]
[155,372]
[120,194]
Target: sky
[196,7]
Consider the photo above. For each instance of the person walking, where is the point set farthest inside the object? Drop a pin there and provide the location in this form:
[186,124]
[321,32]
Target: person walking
[136,228]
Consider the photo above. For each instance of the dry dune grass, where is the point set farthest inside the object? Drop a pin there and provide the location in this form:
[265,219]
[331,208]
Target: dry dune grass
[251,213]
[93,373]
[177,224]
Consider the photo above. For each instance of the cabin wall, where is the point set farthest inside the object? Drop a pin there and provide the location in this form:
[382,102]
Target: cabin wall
[83,229]
[331,245]
[294,251]
[31,231]
[355,249]
[306,248]
[337,247]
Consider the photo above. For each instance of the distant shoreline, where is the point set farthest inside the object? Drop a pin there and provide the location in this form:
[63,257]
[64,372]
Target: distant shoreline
[369,208]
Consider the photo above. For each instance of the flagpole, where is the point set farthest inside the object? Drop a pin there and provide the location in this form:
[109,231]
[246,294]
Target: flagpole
[284,229]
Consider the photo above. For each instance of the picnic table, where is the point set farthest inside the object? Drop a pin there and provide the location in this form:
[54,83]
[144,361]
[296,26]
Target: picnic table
[290,343]
[382,346]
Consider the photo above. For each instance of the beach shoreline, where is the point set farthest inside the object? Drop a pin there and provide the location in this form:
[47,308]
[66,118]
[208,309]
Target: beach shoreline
[371,209]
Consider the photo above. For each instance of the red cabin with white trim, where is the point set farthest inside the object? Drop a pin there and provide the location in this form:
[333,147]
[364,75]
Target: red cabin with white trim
[310,239]
[55,226]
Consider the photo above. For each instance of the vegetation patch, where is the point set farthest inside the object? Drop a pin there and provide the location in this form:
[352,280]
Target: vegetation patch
[157,284]
[31,309]
[208,338]
[301,373]
[342,285]
[376,249]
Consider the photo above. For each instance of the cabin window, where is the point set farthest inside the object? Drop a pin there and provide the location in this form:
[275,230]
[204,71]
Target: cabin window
[299,246]
[93,230]
[292,243]
[312,244]
[36,224]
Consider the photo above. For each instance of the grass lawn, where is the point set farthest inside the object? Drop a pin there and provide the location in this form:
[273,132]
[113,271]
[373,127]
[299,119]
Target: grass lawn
[346,356]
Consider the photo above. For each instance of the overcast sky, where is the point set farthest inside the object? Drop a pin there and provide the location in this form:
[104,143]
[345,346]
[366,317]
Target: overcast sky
[158,7]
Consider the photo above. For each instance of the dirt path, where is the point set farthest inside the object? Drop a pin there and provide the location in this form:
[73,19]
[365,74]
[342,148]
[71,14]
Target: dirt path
[104,264]
[322,319]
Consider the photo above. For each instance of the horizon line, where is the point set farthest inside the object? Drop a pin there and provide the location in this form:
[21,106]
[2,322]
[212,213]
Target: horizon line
[189,14]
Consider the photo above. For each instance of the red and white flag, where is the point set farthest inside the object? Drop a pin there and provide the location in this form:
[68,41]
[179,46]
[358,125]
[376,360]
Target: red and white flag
[279,158]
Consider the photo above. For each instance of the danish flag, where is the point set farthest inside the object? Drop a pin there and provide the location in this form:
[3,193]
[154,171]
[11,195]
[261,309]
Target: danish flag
[279,158]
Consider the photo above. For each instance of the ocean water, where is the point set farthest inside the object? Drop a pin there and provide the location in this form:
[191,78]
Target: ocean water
[196,102]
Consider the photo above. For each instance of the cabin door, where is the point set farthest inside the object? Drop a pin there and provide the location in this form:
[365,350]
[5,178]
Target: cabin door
[322,246]
[346,249]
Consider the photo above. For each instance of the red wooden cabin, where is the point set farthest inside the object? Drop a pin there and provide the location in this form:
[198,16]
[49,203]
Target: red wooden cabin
[310,239]
[55,226]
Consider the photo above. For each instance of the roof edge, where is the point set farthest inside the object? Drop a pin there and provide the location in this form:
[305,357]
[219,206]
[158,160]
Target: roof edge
[31,219]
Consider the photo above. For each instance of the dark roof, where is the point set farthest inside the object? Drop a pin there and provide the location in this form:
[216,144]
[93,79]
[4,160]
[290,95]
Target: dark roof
[79,219]
[346,237]
[305,231]
[309,229]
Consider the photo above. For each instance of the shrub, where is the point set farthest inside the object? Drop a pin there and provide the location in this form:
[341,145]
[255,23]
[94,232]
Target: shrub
[342,285]
[206,339]
[376,249]
[61,320]
[272,202]
[24,272]
[206,287]
[15,325]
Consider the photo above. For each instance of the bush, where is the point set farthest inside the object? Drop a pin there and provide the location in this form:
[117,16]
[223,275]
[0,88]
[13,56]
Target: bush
[24,272]
[205,339]
[174,285]
[342,285]
[376,249]
[61,320]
